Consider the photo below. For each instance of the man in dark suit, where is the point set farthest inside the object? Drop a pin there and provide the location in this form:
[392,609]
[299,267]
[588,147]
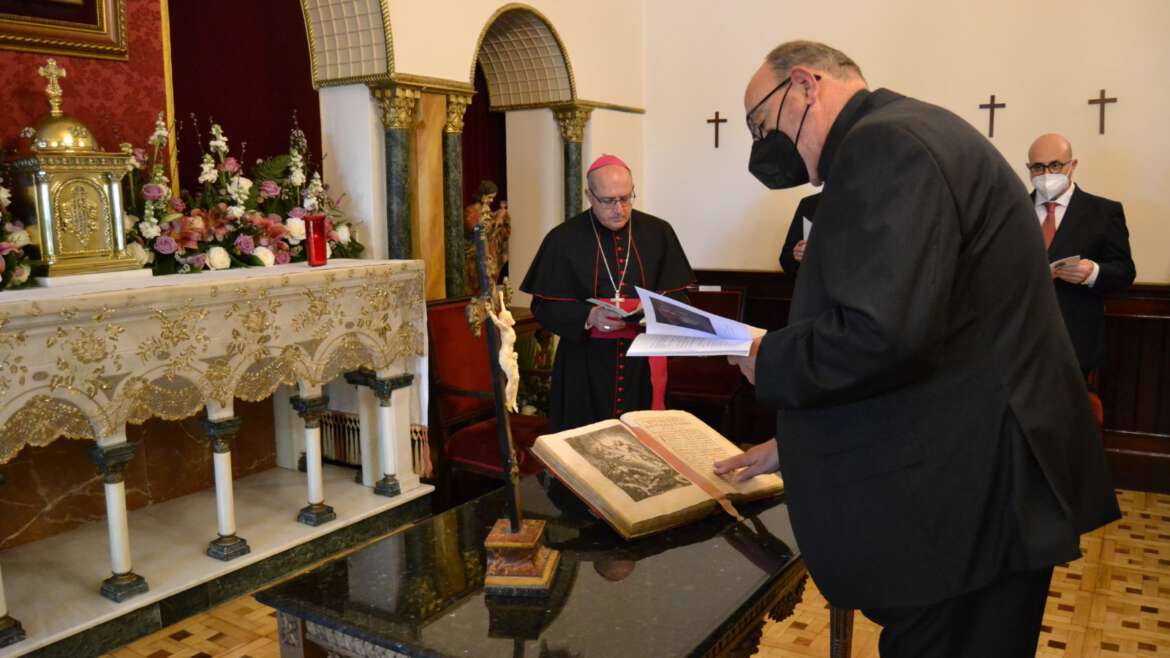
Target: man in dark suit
[794,243]
[939,452]
[1076,223]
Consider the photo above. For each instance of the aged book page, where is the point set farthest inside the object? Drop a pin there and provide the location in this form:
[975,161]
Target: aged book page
[632,487]
[694,442]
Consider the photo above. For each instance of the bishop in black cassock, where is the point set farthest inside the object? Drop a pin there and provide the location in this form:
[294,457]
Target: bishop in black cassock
[601,253]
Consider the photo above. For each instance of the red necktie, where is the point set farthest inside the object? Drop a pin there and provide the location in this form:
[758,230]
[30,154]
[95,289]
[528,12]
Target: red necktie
[1049,226]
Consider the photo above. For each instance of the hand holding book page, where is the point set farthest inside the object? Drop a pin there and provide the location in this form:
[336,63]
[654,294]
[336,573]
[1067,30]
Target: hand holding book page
[614,309]
[677,329]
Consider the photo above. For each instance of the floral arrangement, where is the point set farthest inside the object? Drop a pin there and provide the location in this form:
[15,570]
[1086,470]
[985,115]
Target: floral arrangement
[232,222]
[14,261]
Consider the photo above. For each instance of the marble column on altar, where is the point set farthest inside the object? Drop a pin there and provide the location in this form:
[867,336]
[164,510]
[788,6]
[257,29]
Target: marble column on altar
[453,194]
[311,408]
[398,105]
[221,426]
[388,426]
[571,120]
[11,631]
[111,457]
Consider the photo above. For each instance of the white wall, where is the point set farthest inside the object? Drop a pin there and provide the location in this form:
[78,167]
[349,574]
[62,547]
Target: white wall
[950,54]
[603,38]
[353,143]
[535,196]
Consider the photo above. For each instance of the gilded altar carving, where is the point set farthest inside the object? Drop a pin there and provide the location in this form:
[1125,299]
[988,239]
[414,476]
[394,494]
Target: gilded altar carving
[82,364]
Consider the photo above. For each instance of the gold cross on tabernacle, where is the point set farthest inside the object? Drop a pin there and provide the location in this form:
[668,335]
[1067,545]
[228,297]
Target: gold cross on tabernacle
[51,72]
[993,106]
[1100,102]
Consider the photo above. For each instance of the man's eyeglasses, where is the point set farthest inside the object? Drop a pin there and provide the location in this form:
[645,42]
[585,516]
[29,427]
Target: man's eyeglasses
[757,129]
[1054,167]
[612,202]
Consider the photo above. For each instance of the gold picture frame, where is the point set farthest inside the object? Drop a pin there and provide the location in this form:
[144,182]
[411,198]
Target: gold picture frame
[81,28]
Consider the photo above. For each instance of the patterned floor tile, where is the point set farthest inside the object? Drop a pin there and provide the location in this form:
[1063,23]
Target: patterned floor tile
[1106,644]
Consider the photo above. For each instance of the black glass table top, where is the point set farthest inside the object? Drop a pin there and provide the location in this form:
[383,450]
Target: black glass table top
[420,591]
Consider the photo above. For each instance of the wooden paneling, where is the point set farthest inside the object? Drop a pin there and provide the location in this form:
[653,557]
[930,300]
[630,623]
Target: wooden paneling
[1134,384]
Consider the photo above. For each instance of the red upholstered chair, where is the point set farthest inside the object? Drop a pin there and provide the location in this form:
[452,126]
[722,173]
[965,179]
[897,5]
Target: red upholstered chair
[708,381]
[462,410]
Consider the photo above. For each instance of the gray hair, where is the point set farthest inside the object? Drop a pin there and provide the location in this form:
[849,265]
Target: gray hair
[815,55]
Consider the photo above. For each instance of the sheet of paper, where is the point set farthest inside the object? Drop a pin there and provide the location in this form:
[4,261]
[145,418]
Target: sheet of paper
[807,227]
[666,345]
[1069,261]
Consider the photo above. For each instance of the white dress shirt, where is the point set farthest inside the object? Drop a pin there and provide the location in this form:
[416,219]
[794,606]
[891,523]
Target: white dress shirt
[1061,207]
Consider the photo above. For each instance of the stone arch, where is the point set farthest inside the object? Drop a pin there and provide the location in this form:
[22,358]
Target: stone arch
[349,41]
[524,60]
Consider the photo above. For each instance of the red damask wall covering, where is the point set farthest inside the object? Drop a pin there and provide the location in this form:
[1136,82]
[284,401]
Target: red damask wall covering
[118,101]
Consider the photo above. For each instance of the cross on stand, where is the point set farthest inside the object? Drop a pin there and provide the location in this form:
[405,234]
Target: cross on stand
[991,105]
[51,72]
[1101,101]
[716,121]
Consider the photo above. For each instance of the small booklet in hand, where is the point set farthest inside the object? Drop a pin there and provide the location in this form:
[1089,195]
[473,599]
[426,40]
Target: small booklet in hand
[649,471]
[677,329]
[1068,261]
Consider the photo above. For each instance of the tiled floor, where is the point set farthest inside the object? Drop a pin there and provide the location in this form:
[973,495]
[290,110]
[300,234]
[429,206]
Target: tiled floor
[1114,602]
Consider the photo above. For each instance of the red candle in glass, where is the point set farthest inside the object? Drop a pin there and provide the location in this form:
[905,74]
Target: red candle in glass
[315,239]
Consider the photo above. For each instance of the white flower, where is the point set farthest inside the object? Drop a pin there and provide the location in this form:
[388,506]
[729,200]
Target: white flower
[18,238]
[197,223]
[208,173]
[128,221]
[343,235]
[296,229]
[218,140]
[5,197]
[315,191]
[218,258]
[236,212]
[160,135]
[238,189]
[135,251]
[265,255]
[328,251]
[20,274]
[296,169]
[149,230]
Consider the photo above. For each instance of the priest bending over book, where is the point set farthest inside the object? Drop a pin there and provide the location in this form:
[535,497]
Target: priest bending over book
[603,253]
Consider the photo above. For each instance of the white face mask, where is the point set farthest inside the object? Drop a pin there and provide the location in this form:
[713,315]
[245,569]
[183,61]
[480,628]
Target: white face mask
[1050,186]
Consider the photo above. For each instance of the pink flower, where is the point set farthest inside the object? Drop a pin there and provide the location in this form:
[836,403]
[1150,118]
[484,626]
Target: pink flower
[140,155]
[245,244]
[164,244]
[231,165]
[297,212]
[5,249]
[269,190]
[177,205]
[152,192]
[197,262]
[282,257]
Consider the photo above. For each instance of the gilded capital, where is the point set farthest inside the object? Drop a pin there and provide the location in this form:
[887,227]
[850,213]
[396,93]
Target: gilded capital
[572,119]
[456,107]
[397,104]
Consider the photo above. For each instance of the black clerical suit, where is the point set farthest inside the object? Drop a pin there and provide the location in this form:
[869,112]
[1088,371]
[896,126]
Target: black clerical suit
[593,379]
[807,208]
[1093,227]
[934,434]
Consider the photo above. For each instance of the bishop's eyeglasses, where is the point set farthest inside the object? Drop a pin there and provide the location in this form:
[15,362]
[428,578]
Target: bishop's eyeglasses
[1054,167]
[612,202]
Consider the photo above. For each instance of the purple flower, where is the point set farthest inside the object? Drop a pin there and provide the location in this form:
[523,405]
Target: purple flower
[177,205]
[297,212]
[165,245]
[231,165]
[282,257]
[269,189]
[245,244]
[152,192]
[198,261]
[140,155]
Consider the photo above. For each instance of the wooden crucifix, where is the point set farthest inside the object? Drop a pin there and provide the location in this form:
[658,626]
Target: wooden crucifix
[716,121]
[991,105]
[1100,101]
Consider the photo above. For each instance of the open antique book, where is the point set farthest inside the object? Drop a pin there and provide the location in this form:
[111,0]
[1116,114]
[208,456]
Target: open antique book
[649,471]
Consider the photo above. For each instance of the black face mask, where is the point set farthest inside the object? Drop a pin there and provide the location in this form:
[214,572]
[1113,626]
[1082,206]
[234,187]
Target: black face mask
[774,161]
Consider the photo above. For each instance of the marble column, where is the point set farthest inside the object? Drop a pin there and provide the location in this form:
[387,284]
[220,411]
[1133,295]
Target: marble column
[388,430]
[398,105]
[11,631]
[571,120]
[455,246]
[111,460]
[220,433]
[311,409]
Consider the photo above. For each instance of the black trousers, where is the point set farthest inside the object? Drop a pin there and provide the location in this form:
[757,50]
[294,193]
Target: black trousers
[1000,620]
